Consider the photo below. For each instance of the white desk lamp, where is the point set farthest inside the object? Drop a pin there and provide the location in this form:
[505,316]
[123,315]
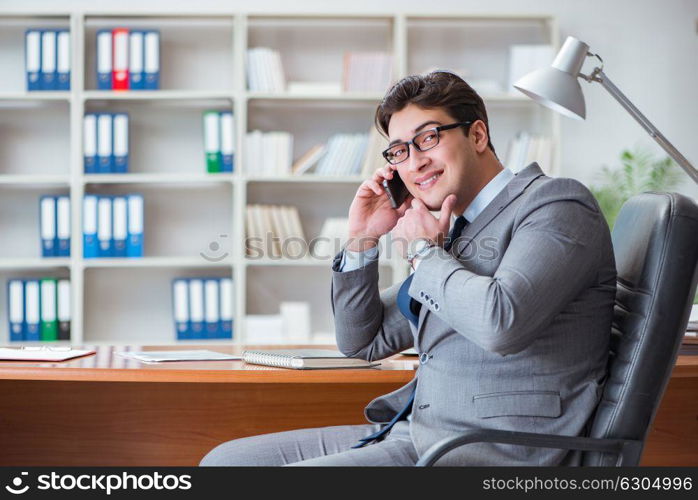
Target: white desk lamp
[557,87]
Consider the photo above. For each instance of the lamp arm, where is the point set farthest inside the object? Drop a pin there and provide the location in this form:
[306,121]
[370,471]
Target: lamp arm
[599,76]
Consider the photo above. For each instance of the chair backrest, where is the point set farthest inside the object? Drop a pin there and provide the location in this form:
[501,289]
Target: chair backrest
[655,242]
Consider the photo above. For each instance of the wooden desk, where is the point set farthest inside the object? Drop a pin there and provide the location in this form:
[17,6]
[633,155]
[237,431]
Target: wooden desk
[105,410]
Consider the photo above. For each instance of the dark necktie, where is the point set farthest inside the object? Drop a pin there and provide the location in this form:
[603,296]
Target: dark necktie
[407,305]
[410,309]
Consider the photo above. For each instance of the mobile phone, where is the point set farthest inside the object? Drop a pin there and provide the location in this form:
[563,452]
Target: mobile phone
[396,190]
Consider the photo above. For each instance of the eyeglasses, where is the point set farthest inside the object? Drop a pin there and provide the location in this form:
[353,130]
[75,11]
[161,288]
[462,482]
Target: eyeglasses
[423,141]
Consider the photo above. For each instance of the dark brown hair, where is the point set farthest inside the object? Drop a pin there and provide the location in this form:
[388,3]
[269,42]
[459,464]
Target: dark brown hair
[439,89]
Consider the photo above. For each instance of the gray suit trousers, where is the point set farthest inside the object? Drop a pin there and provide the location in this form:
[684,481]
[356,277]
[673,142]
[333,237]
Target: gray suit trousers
[323,446]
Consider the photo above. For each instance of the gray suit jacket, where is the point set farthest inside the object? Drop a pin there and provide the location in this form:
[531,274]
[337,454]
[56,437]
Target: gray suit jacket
[514,326]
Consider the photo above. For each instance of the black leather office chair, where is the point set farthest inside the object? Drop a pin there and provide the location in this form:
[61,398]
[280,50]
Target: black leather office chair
[655,242]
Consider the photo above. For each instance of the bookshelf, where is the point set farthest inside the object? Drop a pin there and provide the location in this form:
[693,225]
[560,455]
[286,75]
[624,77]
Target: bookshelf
[189,211]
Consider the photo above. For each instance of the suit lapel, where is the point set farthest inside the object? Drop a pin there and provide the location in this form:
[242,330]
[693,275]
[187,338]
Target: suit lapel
[512,191]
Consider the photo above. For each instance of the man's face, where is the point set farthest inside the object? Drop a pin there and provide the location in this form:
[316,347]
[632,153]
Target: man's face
[445,169]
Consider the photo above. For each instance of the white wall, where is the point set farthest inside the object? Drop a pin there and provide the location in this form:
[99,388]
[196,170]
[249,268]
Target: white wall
[650,50]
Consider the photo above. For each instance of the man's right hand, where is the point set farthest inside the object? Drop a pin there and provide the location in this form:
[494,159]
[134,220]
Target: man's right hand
[370,214]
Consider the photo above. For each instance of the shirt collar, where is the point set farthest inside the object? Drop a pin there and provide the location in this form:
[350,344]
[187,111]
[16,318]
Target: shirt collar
[488,193]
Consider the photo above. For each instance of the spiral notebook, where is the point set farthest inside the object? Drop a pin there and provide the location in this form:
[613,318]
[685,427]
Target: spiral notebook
[304,359]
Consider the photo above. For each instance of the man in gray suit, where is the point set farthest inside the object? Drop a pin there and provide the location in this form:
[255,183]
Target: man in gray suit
[511,313]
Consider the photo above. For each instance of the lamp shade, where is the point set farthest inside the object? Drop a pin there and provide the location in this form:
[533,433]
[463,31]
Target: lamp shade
[557,86]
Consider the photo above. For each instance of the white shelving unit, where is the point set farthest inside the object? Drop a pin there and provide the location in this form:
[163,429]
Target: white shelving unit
[188,211]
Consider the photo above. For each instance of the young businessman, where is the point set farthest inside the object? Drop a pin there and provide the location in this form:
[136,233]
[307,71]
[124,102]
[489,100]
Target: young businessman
[511,313]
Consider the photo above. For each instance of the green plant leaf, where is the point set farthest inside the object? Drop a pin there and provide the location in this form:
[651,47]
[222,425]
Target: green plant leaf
[639,171]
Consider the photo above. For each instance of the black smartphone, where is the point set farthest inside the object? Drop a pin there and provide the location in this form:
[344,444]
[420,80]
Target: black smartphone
[396,190]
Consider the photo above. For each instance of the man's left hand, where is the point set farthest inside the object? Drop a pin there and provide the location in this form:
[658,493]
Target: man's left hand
[418,222]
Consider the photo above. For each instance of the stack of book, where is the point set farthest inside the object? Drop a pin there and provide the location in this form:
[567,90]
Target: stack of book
[367,149]
[47,59]
[526,58]
[219,141]
[367,71]
[39,309]
[373,159]
[264,329]
[274,231]
[526,148]
[112,226]
[268,153]
[314,88]
[265,73]
[105,143]
[290,326]
[344,155]
[128,59]
[203,308]
[333,237]
[54,226]
[308,160]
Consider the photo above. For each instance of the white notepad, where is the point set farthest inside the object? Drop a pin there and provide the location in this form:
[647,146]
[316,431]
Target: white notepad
[194,355]
[42,354]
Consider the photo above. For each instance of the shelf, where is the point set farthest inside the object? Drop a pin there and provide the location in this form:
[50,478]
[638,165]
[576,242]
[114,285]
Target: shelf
[29,264]
[306,262]
[135,304]
[35,96]
[269,261]
[312,48]
[352,97]
[37,180]
[102,18]
[190,215]
[157,178]
[328,179]
[196,52]
[319,19]
[155,262]
[35,138]
[156,95]
[13,26]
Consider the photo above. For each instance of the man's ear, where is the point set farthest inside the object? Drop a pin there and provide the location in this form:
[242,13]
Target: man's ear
[478,136]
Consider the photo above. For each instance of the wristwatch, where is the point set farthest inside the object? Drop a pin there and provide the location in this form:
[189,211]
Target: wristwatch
[420,246]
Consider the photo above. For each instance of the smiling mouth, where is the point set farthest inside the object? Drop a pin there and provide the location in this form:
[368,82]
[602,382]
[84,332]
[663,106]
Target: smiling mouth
[428,183]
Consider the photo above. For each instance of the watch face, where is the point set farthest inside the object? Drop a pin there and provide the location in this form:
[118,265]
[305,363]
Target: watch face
[418,247]
[422,245]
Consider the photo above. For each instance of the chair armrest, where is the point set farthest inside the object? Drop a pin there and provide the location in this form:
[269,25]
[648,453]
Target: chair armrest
[628,451]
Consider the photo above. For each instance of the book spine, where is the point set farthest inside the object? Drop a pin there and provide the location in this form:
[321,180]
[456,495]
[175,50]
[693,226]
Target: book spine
[104,59]
[135,60]
[212,142]
[120,77]
[227,145]
[49,323]
[120,143]
[32,59]
[64,313]
[63,60]
[151,60]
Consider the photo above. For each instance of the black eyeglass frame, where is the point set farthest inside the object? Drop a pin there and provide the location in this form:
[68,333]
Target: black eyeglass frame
[438,130]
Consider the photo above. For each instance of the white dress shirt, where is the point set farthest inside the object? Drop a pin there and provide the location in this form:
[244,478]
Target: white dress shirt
[354,260]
